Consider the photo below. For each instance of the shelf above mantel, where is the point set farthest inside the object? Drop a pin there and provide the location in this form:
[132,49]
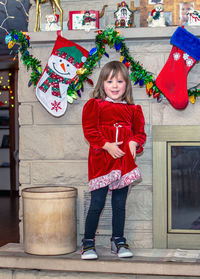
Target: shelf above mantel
[143,33]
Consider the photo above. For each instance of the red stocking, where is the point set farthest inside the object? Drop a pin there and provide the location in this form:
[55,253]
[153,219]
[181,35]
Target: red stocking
[172,80]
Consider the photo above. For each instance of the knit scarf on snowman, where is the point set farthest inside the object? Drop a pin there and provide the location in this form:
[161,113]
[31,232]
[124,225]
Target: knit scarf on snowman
[53,81]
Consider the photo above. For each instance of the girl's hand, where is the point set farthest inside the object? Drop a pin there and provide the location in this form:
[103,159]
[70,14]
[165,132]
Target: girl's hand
[113,149]
[133,145]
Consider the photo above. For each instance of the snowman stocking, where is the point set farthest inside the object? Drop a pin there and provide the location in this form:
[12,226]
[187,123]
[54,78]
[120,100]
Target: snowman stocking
[172,80]
[51,89]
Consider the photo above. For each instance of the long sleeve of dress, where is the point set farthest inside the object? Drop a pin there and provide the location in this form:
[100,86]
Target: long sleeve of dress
[138,123]
[90,123]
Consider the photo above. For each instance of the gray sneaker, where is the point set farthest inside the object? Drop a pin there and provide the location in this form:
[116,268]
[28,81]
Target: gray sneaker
[88,250]
[120,247]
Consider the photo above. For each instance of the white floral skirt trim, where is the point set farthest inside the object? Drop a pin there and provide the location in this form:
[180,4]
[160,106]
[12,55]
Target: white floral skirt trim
[114,180]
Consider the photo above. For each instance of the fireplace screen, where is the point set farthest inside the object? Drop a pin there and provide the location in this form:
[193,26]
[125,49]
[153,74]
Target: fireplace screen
[184,187]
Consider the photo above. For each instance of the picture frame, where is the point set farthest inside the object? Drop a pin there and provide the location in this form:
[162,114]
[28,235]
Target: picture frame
[81,20]
[184,8]
[173,7]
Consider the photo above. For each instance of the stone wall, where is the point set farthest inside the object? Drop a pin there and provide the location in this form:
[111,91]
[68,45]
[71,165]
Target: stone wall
[53,151]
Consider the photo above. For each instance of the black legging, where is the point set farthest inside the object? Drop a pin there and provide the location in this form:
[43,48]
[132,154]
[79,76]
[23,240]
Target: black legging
[98,198]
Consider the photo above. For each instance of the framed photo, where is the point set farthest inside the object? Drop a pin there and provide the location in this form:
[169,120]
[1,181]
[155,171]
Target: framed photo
[80,20]
[174,10]
[184,8]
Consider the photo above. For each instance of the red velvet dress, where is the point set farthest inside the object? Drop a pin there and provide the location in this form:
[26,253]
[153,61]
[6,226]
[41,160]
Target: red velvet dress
[106,121]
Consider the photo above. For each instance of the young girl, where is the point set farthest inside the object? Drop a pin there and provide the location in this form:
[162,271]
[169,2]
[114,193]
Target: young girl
[114,128]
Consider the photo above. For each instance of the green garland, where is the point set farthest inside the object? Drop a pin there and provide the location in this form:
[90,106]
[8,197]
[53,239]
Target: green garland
[193,93]
[110,37]
[22,39]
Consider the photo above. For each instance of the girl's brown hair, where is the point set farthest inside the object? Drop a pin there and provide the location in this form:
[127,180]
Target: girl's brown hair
[113,67]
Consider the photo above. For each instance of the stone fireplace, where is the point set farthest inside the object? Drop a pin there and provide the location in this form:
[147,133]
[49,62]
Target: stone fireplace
[52,151]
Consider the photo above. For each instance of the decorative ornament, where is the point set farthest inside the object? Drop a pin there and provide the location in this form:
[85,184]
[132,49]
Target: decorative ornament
[22,39]
[185,56]
[138,74]
[172,80]
[84,20]
[192,99]
[54,4]
[193,18]
[11,44]
[8,39]
[112,38]
[52,88]
[52,23]
[123,15]
[89,21]
[189,62]
[176,56]
[193,93]
[157,18]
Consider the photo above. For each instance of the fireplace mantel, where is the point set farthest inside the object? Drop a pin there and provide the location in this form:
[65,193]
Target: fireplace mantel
[143,33]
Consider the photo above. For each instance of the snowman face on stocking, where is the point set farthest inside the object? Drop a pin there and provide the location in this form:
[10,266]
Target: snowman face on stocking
[62,67]
[51,89]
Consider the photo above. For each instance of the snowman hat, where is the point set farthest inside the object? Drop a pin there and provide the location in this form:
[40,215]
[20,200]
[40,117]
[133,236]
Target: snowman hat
[76,55]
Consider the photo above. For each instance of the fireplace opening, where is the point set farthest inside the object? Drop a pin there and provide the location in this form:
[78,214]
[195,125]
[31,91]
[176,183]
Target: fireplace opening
[183,187]
[176,186]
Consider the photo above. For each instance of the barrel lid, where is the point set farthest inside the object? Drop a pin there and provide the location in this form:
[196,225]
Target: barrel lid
[49,192]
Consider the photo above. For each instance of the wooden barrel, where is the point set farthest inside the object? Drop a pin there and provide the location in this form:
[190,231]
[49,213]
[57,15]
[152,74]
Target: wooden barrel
[49,220]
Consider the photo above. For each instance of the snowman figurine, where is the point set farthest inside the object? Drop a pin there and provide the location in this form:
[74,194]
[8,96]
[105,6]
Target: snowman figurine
[51,89]
[157,17]
[52,23]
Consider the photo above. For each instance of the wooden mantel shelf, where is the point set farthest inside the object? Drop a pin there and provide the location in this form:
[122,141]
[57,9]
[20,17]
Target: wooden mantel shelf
[143,33]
